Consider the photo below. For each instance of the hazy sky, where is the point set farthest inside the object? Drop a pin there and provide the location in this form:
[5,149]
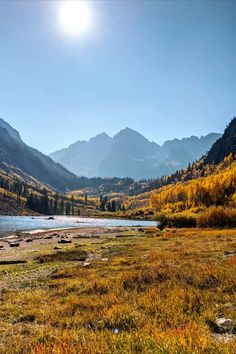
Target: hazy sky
[166,69]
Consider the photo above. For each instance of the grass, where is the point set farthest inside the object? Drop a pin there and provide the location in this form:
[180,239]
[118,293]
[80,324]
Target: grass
[146,292]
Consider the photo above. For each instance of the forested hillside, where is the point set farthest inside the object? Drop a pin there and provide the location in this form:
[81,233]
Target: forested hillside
[21,195]
[209,181]
[218,188]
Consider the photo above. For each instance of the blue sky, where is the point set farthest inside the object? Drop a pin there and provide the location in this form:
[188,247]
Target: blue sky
[166,69]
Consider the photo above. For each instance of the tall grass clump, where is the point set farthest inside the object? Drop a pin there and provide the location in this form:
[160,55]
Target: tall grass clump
[217,216]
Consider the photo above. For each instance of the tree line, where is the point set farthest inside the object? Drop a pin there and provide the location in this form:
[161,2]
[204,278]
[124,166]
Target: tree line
[38,200]
[110,205]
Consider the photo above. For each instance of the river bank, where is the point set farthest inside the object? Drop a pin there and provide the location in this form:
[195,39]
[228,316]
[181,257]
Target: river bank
[25,245]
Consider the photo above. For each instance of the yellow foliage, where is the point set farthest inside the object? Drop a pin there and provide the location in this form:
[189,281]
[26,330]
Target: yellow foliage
[216,189]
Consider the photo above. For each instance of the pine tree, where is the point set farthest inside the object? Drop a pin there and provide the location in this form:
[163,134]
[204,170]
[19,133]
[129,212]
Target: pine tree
[68,208]
[62,207]
[113,206]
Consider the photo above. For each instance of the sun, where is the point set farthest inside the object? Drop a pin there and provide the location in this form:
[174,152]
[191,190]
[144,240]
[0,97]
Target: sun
[75,17]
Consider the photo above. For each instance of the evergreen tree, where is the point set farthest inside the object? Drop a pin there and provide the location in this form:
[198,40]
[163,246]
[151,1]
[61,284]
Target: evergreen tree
[113,206]
[108,206]
[68,208]
[62,207]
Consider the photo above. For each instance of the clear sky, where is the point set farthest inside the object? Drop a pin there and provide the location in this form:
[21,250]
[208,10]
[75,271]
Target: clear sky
[164,68]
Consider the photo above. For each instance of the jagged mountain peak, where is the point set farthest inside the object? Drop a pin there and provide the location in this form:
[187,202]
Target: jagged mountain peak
[128,133]
[100,137]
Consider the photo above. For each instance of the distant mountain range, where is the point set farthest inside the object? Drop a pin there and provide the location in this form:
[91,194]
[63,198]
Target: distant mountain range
[17,158]
[130,154]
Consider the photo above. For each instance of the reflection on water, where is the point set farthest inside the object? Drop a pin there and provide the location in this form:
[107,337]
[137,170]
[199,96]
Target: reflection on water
[10,224]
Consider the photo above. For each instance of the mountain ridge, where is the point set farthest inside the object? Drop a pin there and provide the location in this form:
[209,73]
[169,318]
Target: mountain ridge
[13,151]
[129,153]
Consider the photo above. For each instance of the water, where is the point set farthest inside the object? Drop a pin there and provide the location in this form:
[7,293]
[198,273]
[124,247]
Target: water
[9,224]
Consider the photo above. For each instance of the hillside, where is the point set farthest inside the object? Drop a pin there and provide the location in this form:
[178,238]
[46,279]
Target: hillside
[14,152]
[209,181]
[9,206]
[218,188]
[129,153]
[224,146]
[21,194]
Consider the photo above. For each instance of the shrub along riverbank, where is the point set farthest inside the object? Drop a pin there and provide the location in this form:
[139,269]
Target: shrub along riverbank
[214,217]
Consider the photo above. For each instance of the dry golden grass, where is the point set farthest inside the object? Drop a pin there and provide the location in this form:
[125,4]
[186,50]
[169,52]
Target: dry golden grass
[143,292]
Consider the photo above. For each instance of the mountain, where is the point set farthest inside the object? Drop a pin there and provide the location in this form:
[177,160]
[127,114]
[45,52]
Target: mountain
[209,181]
[15,153]
[188,149]
[18,158]
[224,146]
[11,131]
[222,154]
[88,155]
[132,155]
[129,153]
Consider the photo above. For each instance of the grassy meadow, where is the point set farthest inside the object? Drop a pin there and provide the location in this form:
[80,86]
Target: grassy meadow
[130,291]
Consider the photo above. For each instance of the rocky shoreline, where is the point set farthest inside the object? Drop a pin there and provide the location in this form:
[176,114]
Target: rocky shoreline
[24,245]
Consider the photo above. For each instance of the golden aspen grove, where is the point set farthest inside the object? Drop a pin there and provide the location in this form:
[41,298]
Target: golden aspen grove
[218,188]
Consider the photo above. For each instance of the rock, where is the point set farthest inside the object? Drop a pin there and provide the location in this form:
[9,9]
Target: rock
[104,259]
[7,262]
[50,218]
[64,241]
[82,236]
[14,244]
[86,264]
[57,248]
[224,325]
[49,237]
[29,240]
[229,254]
